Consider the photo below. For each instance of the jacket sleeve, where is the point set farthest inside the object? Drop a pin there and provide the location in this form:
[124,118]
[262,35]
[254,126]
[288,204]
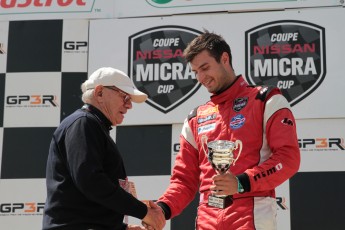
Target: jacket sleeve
[184,182]
[281,138]
[85,157]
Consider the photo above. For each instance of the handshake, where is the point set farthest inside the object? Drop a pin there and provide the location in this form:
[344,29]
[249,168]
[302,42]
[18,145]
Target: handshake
[154,219]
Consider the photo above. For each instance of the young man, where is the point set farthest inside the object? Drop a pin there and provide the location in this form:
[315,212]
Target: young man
[259,117]
[86,177]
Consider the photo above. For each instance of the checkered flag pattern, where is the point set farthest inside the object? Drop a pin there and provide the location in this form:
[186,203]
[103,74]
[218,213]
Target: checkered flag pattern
[42,64]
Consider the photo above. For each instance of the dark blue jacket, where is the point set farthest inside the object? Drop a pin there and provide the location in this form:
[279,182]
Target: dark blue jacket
[84,167]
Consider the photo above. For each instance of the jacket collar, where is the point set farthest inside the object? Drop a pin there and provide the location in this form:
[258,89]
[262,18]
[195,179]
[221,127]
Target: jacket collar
[232,92]
[99,115]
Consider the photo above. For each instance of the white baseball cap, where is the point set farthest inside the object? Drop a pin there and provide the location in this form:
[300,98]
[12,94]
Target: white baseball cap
[108,76]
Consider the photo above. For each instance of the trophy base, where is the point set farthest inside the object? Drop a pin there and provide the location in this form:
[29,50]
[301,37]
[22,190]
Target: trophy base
[219,201]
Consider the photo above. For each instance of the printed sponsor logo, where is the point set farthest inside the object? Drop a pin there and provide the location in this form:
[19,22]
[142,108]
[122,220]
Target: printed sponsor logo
[263,90]
[237,121]
[176,149]
[281,203]
[20,209]
[206,128]
[75,47]
[288,54]
[321,144]
[240,103]
[45,6]
[207,118]
[287,121]
[158,68]
[31,101]
[208,111]
[268,172]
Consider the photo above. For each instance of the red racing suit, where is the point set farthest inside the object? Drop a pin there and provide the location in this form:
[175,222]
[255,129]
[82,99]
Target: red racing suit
[261,118]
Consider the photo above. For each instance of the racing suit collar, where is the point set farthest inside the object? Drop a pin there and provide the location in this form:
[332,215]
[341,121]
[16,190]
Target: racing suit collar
[230,93]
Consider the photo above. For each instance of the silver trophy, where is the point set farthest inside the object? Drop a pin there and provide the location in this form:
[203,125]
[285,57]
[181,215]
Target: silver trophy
[221,157]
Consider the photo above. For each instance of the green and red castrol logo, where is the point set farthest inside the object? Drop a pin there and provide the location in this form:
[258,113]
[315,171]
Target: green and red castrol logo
[161,1]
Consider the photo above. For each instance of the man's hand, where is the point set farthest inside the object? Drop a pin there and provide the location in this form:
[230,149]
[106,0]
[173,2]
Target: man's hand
[135,227]
[224,184]
[154,218]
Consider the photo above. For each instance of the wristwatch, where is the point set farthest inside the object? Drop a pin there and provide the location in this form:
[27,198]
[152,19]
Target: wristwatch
[239,186]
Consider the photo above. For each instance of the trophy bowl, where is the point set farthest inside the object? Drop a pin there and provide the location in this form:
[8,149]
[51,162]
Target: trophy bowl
[220,154]
[221,157]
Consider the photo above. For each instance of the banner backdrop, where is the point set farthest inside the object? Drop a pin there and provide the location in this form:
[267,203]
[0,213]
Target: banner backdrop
[42,65]
[322,141]
[43,62]
[22,203]
[296,50]
[135,8]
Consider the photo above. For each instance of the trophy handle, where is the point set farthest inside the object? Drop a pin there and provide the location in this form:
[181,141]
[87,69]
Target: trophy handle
[238,143]
[203,142]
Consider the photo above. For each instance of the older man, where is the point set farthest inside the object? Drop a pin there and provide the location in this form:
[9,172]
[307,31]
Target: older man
[86,178]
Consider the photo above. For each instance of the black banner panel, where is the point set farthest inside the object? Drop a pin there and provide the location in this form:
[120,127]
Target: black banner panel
[316,199]
[145,149]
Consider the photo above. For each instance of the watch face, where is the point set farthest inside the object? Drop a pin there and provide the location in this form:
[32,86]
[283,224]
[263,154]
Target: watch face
[240,188]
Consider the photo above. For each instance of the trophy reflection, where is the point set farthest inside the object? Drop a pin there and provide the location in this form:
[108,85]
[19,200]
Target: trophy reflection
[221,157]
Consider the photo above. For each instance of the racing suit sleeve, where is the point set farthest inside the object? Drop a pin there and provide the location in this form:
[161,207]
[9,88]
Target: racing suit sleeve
[281,138]
[184,182]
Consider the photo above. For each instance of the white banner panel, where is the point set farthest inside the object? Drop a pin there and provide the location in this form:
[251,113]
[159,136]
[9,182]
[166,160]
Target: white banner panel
[55,9]
[135,8]
[283,206]
[32,99]
[296,50]
[149,188]
[22,203]
[322,144]
[175,142]
[75,45]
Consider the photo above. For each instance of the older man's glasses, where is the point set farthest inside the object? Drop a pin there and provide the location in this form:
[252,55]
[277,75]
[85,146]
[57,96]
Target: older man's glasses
[126,97]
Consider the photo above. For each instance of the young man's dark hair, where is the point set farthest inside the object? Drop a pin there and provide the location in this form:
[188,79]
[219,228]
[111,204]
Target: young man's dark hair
[213,43]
